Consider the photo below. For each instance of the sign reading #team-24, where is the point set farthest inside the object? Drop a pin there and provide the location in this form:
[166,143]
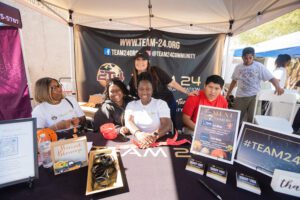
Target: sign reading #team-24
[265,150]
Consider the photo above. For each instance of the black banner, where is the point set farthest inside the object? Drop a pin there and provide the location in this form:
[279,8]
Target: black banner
[102,54]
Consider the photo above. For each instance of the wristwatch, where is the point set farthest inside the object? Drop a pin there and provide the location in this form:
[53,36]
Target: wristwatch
[136,131]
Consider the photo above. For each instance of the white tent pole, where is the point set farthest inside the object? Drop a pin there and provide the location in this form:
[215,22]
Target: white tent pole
[72,57]
[26,68]
[150,13]
[225,55]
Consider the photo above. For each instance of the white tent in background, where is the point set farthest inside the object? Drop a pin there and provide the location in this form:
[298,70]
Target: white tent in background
[286,44]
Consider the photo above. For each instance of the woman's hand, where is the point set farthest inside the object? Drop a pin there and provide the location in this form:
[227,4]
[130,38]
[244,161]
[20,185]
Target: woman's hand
[124,130]
[145,139]
[64,124]
[193,93]
[75,121]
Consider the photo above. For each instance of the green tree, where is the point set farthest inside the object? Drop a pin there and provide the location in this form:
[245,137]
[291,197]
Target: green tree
[283,25]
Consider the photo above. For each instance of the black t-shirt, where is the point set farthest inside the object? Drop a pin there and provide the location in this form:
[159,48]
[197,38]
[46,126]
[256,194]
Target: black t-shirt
[110,112]
[160,90]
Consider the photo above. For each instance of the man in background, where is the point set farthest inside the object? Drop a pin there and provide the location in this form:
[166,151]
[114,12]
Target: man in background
[247,77]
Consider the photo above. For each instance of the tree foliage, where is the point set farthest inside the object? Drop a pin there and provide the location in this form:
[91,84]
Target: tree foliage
[283,25]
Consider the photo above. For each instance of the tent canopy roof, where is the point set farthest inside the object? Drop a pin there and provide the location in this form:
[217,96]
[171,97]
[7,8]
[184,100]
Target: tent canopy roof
[192,17]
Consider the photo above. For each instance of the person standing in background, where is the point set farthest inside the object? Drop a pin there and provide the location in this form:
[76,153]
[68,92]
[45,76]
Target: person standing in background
[280,73]
[247,77]
[296,123]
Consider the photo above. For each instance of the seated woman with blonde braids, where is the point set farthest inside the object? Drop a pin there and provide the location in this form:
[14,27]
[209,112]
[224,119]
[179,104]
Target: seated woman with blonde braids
[147,118]
[54,110]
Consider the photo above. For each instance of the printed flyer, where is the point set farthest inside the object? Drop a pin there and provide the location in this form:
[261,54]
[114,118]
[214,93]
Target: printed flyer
[215,133]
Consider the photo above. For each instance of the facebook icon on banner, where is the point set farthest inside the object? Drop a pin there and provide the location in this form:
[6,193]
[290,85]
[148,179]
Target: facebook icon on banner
[107,51]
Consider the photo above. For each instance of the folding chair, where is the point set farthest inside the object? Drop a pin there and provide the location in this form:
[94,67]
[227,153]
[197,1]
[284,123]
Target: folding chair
[279,103]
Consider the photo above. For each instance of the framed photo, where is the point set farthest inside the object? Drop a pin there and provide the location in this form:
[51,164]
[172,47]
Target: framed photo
[215,133]
[68,155]
[265,150]
[18,151]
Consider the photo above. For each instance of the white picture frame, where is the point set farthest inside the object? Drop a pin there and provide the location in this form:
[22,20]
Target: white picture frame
[18,151]
[215,134]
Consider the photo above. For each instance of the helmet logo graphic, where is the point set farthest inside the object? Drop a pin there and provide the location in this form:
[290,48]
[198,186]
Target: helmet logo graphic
[108,71]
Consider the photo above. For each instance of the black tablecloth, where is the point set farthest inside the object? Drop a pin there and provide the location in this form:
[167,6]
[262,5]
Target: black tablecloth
[147,174]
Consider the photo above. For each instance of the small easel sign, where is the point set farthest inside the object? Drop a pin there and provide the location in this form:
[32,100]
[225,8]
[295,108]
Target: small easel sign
[68,155]
[286,182]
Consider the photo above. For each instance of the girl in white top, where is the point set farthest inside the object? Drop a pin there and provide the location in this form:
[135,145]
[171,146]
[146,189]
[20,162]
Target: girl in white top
[55,111]
[280,73]
[148,118]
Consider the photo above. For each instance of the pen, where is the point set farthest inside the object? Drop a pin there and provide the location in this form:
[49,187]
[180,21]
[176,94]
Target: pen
[211,190]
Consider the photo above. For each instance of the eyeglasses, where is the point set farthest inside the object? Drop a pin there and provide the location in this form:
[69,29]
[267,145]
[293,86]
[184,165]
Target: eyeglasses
[54,87]
[103,171]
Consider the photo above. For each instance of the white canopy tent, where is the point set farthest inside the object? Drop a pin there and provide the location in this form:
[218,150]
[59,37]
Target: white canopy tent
[48,38]
[191,17]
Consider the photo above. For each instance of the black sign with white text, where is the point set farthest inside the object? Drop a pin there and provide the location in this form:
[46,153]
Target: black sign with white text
[103,54]
[265,150]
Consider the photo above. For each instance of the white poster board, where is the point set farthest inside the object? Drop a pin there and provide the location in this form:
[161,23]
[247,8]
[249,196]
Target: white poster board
[215,134]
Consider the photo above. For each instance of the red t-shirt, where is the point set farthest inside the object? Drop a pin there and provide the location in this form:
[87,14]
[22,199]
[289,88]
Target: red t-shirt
[192,103]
